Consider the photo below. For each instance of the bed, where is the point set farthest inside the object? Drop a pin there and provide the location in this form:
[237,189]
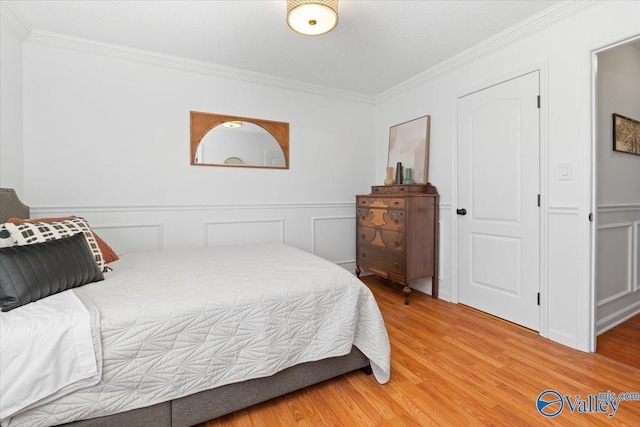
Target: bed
[182,337]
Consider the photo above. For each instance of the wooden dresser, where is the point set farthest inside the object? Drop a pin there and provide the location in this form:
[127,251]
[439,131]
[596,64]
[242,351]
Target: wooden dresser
[397,234]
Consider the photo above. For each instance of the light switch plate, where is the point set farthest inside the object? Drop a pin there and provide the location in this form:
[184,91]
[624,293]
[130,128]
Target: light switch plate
[565,171]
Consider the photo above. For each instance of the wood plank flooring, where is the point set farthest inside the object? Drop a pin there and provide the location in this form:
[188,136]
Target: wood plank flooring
[622,343]
[453,366]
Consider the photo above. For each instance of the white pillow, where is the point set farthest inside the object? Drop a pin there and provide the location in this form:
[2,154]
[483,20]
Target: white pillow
[38,232]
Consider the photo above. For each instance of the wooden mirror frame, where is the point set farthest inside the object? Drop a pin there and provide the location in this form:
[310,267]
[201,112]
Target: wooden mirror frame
[202,123]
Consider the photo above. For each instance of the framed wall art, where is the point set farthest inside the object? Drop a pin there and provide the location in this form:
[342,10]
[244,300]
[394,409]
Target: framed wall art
[626,135]
[409,144]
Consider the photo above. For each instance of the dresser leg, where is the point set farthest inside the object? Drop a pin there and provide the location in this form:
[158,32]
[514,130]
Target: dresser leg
[406,291]
[358,271]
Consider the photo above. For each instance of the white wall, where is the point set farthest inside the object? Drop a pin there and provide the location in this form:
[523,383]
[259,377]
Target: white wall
[618,191]
[562,52]
[11,173]
[108,138]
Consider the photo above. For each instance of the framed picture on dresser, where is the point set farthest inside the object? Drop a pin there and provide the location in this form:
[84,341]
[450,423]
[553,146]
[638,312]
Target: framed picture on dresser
[409,145]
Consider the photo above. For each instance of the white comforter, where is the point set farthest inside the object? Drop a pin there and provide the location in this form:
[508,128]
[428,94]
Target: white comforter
[175,323]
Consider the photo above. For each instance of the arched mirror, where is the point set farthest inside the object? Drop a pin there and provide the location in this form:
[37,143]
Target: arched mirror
[220,140]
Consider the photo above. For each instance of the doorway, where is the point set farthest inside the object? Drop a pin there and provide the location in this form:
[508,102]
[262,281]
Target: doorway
[498,202]
[617,197]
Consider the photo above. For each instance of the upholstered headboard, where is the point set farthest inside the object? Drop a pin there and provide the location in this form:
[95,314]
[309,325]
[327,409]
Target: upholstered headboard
[11,206]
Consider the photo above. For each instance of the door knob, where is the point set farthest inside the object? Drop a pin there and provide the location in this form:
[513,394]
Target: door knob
[461,211]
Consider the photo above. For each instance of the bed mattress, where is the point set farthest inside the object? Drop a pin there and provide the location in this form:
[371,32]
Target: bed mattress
[174,323]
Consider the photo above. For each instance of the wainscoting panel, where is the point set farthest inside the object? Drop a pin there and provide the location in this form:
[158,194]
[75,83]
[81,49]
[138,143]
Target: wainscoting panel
[132,238]
[615,265]
[326,231]
[618,265]
[221,233]
[561,281]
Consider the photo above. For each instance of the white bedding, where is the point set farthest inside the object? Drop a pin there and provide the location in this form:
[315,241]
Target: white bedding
[175,323]
[46,351]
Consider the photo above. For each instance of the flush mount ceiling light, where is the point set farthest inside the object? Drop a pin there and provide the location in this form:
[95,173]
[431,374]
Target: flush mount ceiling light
[312,17]
[233,124]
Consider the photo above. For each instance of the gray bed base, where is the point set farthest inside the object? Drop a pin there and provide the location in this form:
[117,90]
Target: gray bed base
[207,405]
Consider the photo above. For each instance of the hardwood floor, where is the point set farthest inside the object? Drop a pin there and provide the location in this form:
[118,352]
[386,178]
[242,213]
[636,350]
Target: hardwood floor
[453,366]
[622,343]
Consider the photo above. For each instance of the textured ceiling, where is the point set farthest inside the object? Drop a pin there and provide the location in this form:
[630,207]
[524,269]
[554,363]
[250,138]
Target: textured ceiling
[376,45]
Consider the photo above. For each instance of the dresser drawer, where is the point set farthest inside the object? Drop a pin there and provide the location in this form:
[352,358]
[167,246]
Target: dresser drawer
[381,202]
[402,188]
[382,262]
[381,238]
[381,218]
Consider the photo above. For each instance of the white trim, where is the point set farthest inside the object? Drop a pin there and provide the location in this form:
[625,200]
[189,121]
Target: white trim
[159,228]
[163,208]
[326,218]
[519,31]
[13,19]
[622,316]
[625,224]
[562,338]
[621,207]
[185,64]
[629,226]
[206,224]
[636,256]
[590,180]
[562,210]
[543,249]
[343,263]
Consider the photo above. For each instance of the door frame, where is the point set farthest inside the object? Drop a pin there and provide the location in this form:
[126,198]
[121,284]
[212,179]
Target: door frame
[590,177]
[542,68]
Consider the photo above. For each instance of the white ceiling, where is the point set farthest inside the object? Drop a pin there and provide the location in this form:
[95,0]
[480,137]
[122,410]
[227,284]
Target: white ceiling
[376,45]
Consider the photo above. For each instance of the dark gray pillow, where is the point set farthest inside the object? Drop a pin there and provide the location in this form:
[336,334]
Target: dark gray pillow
[31,272]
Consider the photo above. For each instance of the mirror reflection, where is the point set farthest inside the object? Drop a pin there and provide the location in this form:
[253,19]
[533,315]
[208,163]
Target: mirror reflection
[219,140]
[240,143]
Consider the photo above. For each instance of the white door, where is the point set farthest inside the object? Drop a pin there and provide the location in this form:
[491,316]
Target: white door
[498,187]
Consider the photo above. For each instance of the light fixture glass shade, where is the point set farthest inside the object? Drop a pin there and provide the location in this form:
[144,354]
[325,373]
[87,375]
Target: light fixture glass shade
[312,17]
[233,124]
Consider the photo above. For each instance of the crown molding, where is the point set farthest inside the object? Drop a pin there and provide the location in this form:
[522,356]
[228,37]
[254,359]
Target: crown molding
[148,57]
[519,31]
[537,22]
[15,23]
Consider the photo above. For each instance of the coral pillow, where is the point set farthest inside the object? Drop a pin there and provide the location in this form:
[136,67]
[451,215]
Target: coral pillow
[108,254]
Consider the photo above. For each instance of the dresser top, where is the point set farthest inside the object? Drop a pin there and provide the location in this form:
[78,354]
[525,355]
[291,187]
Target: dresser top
[404,190]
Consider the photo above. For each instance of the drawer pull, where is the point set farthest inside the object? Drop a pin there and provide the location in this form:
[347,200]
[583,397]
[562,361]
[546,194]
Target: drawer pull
[363,236]
[397,222]
[396,265]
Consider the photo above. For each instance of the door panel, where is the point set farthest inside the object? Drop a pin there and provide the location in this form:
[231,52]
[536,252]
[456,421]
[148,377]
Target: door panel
[498,185]
[496,161]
